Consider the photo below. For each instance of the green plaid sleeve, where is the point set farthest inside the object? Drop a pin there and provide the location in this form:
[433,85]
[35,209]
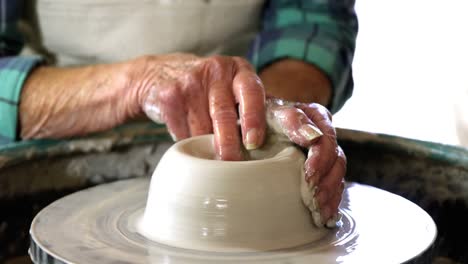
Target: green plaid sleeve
[319,32]
[13,72]
[13,69]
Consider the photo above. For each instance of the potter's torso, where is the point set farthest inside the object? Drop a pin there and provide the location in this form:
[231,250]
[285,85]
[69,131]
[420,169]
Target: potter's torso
[91,31]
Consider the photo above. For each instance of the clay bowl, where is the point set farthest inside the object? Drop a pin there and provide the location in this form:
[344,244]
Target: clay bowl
[197,202]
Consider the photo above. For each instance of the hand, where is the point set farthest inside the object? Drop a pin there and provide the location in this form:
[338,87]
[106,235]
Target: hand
[303,124]
[196,96]
[310,126]
[192,95]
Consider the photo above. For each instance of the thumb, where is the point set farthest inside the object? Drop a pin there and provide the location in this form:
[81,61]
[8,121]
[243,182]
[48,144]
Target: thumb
[293,123]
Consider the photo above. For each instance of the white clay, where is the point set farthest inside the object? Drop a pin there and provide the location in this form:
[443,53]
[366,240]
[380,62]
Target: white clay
[200,203]
[307,194]
[275,142]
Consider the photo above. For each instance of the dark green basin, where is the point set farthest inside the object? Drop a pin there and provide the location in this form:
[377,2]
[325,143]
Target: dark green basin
[35,173]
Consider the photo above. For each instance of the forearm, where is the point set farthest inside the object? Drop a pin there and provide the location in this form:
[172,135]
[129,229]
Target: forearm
[321,33]
[297,81]
[61,102]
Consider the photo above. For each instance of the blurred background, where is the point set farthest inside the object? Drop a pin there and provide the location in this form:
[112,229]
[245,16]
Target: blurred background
[410,68]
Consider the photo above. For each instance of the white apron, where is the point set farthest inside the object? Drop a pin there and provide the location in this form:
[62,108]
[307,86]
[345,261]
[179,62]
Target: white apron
[77,32]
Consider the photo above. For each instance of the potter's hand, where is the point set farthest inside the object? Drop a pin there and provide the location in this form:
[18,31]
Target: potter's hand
[310,126]
[196,96]
[192,95]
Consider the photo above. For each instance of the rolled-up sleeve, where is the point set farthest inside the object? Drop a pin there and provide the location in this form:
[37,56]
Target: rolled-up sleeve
[13,69]
[320,32]
[13,72]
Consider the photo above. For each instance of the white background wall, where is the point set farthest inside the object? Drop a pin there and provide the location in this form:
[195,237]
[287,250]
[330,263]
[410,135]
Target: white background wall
[410,63]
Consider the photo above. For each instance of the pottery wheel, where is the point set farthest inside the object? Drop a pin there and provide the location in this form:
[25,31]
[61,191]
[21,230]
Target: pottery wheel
[97,225]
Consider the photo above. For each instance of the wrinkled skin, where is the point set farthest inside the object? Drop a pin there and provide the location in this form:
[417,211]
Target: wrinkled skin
[196,96]
[310,126]
[192,96]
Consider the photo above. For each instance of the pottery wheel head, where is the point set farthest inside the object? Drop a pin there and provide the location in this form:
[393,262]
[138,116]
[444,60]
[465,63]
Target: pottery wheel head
[99,225]
[200,210]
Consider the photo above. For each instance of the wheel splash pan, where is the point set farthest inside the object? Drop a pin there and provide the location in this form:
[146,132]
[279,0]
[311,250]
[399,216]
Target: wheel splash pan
[35,173]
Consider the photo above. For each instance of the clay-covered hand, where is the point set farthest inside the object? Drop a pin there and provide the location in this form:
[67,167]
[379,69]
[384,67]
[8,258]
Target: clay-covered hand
[310,126]
[196,96]
[192,95]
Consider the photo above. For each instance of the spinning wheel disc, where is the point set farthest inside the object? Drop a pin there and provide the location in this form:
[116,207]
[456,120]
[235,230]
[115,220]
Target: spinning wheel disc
[98,225]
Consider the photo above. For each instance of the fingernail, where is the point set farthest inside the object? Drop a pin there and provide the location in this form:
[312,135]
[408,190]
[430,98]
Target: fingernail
[310,132]
[251,139]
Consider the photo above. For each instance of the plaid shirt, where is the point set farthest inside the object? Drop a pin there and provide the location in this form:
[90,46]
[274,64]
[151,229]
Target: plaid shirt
[320,32]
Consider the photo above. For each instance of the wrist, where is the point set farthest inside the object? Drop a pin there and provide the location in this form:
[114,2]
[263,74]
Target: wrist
[297,81]
[138,74]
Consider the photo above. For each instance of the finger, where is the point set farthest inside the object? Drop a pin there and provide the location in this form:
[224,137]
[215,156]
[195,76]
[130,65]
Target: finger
[199,121]
[322,154]
[320,116]
[168,106]
[295,125]
[330,209]
[333,180]
[321,157]
[249,92]
[177,124]
[222,110]
[198,116]
[224,117]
